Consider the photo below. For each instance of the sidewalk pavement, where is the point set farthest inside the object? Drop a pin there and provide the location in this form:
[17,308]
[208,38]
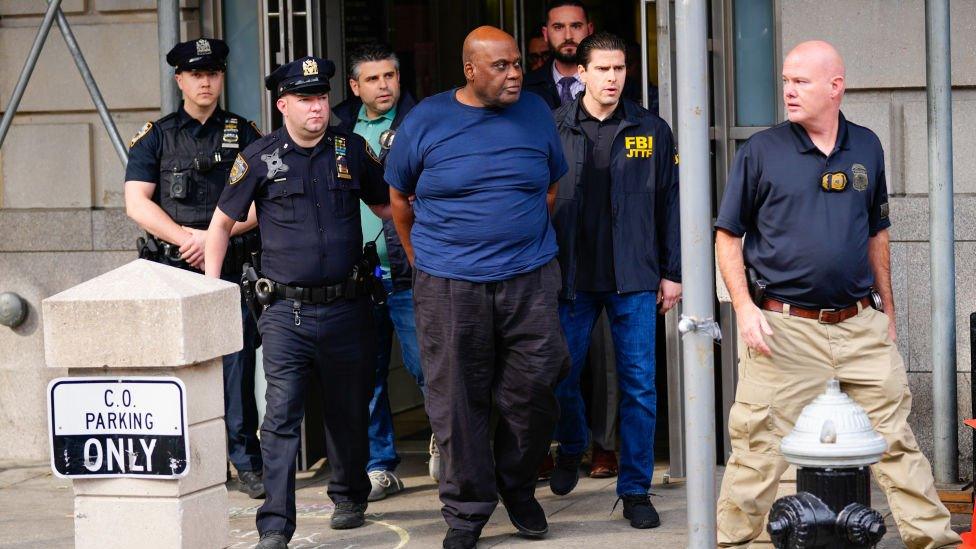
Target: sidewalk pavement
[36,511]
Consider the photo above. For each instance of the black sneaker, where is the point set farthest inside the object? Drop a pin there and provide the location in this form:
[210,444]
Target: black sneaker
[272,540]
[640,511]
[528,517]
[348,515]
[566,474]
[250,483]
[460,539]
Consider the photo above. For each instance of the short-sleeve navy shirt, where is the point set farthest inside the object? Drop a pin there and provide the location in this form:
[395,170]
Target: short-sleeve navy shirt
[145,150]
[307,203]
[810,245]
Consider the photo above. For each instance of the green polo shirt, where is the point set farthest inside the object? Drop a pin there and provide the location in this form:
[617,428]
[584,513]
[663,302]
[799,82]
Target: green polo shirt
[370,130]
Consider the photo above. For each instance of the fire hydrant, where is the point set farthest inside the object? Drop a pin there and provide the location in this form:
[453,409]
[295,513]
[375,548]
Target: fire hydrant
[832,445]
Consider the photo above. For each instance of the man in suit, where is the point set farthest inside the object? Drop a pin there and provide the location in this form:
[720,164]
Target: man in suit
[558,81]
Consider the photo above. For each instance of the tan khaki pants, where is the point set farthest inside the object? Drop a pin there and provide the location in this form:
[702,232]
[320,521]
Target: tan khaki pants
[773,390]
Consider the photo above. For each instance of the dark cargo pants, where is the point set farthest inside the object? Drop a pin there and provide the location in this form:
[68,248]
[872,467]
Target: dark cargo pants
[333,348]
[484,341]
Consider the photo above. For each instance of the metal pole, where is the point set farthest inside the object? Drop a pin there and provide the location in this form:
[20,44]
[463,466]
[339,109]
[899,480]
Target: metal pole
[697,267]
[96,95]
[29,64]
[643,42]
[168,30]
[664,73]
[941,240]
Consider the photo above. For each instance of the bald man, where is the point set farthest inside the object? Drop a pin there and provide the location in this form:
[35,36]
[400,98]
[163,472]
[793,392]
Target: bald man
[482,161]
[810,198]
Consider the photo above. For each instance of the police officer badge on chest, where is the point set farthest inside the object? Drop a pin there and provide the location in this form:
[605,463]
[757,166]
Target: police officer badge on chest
[342,167]
[230,138]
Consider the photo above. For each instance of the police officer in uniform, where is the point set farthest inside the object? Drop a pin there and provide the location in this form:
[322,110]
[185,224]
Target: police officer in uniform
[810,197]
[178,166]
[306,180]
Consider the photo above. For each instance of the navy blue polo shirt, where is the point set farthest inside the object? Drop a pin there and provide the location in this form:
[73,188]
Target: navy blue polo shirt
[480,176]
[307,203]
[810,245]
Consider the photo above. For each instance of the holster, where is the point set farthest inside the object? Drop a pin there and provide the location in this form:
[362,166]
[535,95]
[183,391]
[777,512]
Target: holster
[366,277]
[757,286]
[249,277]
[159,251]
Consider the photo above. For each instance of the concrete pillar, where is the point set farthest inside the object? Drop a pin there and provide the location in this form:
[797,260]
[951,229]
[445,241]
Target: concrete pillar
[146,319]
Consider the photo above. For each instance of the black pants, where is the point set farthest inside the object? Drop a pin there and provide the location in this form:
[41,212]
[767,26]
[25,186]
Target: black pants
[332,347]
[485,340]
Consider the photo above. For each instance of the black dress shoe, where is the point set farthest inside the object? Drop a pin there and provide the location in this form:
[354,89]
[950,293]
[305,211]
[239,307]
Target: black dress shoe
[640,511]
[272,540]
[251,483]
[528,517]
[566,474]
[460,539]
[348,515]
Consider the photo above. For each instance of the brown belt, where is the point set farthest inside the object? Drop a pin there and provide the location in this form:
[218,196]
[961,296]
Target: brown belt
[824,316]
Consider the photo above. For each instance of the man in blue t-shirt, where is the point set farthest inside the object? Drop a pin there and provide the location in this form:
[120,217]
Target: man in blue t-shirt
[482,162]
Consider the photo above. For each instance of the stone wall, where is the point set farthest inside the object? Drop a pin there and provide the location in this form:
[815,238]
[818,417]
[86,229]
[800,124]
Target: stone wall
[883,43]
[61,221]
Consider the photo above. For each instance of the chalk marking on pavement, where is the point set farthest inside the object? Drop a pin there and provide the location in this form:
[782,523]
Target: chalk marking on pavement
[401,532]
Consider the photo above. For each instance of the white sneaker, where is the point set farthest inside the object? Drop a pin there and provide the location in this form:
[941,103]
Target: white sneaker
[384,483]
[434,466]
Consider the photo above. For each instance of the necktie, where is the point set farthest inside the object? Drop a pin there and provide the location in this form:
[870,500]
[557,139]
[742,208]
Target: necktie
[565,91]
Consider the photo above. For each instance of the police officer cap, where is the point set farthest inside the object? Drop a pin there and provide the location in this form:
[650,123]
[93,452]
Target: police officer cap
[308,75]
[202,54]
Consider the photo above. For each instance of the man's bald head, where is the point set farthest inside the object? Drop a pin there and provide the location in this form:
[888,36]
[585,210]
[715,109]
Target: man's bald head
[483,38]
[813,83]
[818,53]
[492,68]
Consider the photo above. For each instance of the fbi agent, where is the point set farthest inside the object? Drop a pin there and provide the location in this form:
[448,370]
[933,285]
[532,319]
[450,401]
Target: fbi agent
[810,197]
[306,180]
[178,166]
[616,223]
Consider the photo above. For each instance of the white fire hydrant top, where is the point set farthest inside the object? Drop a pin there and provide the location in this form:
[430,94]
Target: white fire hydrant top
[833,431]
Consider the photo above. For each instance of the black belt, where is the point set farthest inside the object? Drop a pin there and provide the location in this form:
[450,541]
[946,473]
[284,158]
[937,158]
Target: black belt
[239,250]
[322,295]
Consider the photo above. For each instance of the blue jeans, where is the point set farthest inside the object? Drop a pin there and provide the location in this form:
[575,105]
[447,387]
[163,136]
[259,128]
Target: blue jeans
[632,317]
[396,314]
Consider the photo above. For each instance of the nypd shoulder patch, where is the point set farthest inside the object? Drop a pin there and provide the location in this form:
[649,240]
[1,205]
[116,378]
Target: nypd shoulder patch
[142,133]
[238,170]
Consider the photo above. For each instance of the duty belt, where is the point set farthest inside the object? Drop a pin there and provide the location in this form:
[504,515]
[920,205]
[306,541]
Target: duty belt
[239,250]
[824,316]
[321,295]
